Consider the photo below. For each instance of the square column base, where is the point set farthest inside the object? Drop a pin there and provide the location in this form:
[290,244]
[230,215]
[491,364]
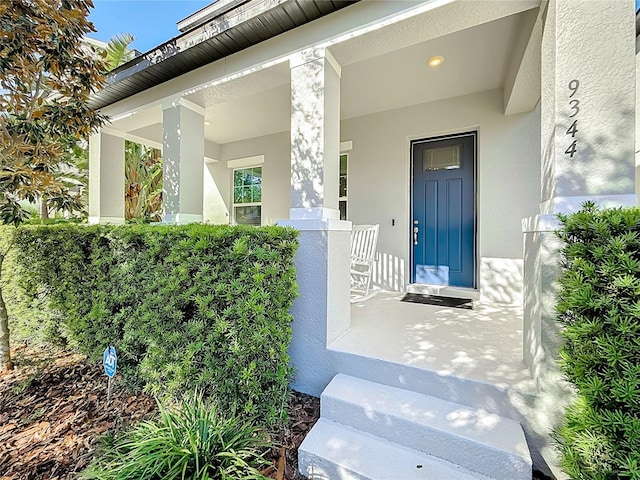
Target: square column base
[322,311]
[331,224]
[106,220]
[181,218]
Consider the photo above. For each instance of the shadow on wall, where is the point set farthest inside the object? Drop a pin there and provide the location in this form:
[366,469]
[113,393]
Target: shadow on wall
[501,280]
[170,177]
[599,165]
[389,272]
[541,337]
[307,174]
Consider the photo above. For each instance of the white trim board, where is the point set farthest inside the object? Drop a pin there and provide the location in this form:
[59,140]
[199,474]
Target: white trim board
[246,162]
[346,146]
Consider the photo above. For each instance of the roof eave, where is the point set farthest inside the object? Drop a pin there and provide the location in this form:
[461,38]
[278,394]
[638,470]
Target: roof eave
[249,24]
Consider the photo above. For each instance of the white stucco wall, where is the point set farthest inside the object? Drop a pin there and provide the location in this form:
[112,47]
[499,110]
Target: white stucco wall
[637,183]
[106,177]
[216,188]
[508,187]
[276,184]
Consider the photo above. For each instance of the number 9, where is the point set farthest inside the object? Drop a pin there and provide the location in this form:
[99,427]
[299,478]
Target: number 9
[573,86]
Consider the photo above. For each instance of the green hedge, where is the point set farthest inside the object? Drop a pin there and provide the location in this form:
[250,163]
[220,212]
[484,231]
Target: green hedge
[188,308]
[599,309]
[31,317]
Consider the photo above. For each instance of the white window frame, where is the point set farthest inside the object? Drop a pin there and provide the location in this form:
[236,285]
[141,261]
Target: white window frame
[243,164]
[249,204]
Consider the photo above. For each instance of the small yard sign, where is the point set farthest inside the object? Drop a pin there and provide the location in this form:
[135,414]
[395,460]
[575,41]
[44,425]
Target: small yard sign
[110,363]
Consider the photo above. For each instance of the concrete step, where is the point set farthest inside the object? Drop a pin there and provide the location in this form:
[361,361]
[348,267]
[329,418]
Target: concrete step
[499,398]
[472,438]
[332,451]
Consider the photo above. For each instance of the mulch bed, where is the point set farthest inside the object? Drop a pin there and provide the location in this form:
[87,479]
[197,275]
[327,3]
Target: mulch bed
[304,411]
[53,409]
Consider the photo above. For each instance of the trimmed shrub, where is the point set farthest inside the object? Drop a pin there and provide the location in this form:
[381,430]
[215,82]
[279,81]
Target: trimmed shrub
[187,307]
[187,442]
[31,318]
[599,310]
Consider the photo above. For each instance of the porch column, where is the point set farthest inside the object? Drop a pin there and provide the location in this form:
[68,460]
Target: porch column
[588,104]
[183,162]
[587,143]
[322,311]
[106,178]
[315,135]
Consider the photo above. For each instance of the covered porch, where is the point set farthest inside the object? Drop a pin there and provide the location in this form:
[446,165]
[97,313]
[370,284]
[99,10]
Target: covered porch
[482,344]
[318,124]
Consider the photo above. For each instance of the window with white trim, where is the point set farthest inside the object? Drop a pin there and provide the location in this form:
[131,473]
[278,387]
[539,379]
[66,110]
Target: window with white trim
[342,189]
[247,196]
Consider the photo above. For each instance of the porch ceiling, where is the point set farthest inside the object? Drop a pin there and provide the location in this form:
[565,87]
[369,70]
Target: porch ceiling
[476,59]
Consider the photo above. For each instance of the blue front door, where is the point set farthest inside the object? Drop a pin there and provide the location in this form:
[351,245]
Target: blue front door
[443,224]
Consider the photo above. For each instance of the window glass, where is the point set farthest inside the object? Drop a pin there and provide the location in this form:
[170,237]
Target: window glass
[342,205]
[247,196]
[251,215]
[446,158]
[342,186]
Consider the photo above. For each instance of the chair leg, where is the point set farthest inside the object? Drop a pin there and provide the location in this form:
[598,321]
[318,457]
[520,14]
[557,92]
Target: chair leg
[368,283]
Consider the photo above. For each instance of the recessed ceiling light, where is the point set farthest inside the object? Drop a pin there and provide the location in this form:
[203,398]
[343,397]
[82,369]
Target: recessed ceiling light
[436,61]
[207,123]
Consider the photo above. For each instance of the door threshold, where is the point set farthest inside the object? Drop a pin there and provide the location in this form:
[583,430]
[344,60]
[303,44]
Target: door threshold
[443,291]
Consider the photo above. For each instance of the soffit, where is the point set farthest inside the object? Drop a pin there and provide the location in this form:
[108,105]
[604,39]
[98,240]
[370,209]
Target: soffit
[259,104]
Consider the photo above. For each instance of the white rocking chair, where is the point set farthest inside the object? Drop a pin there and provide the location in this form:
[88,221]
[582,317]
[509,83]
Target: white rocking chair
[364,239]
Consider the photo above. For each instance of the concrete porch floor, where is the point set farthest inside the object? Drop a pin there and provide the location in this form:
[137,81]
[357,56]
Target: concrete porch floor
[483,344]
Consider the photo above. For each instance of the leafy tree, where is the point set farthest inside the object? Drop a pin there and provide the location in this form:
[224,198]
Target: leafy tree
[46,78]
[143,182]
[118,51]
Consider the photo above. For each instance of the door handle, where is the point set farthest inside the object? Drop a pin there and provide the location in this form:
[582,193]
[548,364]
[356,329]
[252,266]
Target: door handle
[415,235]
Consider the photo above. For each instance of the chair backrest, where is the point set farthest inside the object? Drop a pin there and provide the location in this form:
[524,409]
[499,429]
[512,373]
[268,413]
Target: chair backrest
[364,239]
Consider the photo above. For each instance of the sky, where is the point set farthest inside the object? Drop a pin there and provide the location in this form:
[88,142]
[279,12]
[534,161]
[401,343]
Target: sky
[151,22]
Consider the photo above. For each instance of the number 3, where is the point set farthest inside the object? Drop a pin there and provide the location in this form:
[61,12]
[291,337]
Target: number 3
[574,106]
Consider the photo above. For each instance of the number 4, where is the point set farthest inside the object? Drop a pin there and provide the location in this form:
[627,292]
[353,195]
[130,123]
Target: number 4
[572,149]
[573,129]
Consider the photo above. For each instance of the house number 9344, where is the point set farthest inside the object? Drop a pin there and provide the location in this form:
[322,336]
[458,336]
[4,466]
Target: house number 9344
[574,106]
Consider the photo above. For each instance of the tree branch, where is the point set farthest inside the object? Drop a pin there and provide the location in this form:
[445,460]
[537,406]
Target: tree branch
[36,94]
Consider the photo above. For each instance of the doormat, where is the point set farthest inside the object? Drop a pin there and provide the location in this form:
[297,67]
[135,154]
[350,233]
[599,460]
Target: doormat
[439,301]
